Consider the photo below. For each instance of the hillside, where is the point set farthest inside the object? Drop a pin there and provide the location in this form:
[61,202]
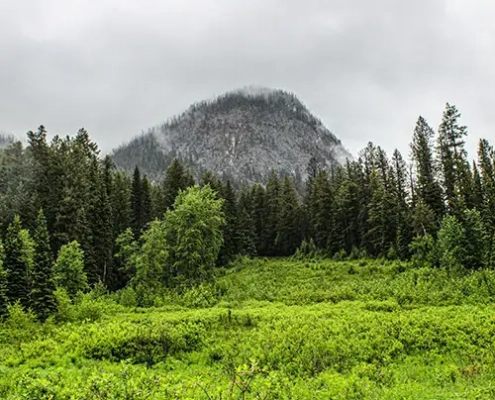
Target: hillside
[241,135]
[278,329]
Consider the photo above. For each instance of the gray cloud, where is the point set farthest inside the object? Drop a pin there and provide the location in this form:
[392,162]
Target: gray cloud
[368,69]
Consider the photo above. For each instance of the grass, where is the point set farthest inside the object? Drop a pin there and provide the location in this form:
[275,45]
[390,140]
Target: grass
[268,329]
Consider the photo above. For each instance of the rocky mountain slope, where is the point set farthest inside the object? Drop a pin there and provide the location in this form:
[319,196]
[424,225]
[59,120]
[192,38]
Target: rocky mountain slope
[241,135]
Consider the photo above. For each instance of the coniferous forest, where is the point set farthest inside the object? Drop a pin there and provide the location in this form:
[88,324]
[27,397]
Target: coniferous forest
[374,280]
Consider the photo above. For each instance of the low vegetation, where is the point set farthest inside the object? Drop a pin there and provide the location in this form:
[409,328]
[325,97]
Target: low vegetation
[265,329]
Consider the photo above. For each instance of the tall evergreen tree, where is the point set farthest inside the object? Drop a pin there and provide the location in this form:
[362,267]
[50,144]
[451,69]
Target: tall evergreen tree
[177,178]
[402,210]
[147,210]
[17,265]
[289,235]
[43,301]
[229,207]
[136,203]
[258,197]
[321,210]
[272,213]
[245,231]
[427,186]
[452,157]
[4,300]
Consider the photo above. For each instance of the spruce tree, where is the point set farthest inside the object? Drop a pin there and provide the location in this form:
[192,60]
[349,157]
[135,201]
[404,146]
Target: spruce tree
[229,207]
[258,197]
[272,214]
[3,286]
[321,210]
[146,202]
[136,203]
[289,235]
[17,264]
[402,210]
[486,161]
[177,178]
[245,232]
[452,157]
[427,186]
[43,301]
[98,248]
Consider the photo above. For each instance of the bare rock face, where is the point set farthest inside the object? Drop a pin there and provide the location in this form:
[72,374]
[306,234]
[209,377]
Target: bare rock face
[241,135]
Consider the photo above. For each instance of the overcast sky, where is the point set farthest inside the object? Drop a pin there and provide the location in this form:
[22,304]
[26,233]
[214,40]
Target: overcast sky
[368,69]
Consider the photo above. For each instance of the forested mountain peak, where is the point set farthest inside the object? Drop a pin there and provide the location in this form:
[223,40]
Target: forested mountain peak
[241,135]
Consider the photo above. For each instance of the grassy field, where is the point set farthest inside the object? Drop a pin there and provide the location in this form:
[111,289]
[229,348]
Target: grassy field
[267,329]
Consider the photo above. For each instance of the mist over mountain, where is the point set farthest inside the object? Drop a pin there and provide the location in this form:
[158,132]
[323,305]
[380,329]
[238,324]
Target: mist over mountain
[241,135]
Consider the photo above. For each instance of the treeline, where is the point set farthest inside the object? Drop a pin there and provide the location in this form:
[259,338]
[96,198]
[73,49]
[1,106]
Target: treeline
[70,219]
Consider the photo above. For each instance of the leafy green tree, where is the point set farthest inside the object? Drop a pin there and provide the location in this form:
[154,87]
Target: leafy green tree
[194,233]
[126,249]
[69,269]
[151,259]
[43,301]
[17,263]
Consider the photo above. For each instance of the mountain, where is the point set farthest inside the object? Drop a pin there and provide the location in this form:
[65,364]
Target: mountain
[241,135]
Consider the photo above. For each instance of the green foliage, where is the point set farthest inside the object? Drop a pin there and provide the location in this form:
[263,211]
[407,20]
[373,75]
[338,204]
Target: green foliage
[42,295]
[18,262]
[3,286]
[451,239]
[272,329]
[150,261]
[69,269]
[194,233]
[424,251]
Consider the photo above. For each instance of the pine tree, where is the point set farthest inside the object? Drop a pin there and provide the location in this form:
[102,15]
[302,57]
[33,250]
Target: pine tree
[289,235]
[43,301]
[121,203]
[146,202]
[272,214]
[229,207]
[245,232]
[427,186]
[136,203]
[400,199]
[452,157]
[99,244]
[258,196]
[176,178]
[321,210]
[17,265]
[3,286]
[486,161]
